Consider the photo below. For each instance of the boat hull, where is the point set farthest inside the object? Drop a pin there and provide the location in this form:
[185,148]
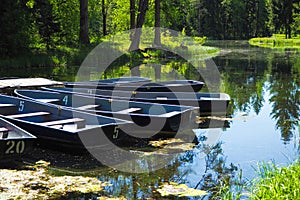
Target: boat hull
[208,103]
[167,86]
[56,125]
[149,119]
[14,141]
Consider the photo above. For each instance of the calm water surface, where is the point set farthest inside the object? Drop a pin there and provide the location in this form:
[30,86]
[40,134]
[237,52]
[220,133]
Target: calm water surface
[264,87]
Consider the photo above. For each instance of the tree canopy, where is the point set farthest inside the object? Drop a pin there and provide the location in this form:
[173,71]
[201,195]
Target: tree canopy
[31,24]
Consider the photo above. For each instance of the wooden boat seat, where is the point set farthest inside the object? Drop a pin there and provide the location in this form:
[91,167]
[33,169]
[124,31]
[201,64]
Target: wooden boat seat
[161,98]
[7,105]
[7,108]
[33,114]
[78,121]
[49,100]
[4,132]
[129,110]
[169,114]
[87,107]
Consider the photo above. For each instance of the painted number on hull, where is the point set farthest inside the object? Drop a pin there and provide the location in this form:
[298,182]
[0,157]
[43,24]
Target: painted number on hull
[116,132]
[21,106]
[65,100]
[15,147]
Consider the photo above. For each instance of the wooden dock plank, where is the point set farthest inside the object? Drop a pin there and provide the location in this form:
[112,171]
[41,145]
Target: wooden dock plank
[27,82]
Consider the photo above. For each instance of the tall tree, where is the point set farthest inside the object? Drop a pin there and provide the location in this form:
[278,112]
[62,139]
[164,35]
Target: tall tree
[143,7]
[46,21]
[132,14]
[282,13]
[15,30]
[84,25]
[157,39]
[104,16]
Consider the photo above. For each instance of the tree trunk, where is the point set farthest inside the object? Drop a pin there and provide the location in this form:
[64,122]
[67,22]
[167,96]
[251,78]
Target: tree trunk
[135,42]
[84,24]
[199,22]
[132,18]
[132,14]
[104,14]
[157,40]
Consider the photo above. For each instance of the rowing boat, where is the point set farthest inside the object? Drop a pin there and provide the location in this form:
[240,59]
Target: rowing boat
[58,127]
[14,141]
[149,118]
[112,81]
[208,103]
[164,86]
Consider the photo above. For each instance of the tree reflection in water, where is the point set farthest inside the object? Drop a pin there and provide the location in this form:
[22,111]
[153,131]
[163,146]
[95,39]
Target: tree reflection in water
[219,178]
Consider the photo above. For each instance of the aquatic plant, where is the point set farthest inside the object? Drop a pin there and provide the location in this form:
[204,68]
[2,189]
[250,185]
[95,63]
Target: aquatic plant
[277,182]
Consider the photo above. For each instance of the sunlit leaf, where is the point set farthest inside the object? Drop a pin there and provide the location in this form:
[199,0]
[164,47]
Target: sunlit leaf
[181,190]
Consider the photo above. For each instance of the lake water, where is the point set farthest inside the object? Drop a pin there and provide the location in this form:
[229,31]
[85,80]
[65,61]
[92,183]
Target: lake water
[264,88]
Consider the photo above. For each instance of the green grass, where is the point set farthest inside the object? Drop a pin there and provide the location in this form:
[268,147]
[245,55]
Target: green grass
[60,56]
[179,44]
[277,183]
[276,41]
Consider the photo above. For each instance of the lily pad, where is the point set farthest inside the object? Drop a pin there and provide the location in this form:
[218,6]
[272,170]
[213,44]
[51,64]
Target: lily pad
[180,190]
[160,143]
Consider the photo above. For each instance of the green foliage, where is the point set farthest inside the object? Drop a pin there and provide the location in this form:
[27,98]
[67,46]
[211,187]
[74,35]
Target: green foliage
[276,41]
[15,28]
[277,183]
[45,21]
[49,24]
[67,15]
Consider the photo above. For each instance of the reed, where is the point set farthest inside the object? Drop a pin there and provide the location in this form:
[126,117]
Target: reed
[277,182]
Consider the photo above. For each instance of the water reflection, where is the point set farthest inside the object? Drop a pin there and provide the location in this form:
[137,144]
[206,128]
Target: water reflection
[262,83]
[244,70]
[285,99]
[245,77]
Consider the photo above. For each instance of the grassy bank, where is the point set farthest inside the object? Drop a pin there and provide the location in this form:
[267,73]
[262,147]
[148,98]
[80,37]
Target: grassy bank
[276,41]
[61,55]
[277,183]
[74,56]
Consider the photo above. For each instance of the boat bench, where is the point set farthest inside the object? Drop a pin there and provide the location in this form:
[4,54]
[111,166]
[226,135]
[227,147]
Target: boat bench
[33,114]
[7,108]
[5,105]
[169,114]
[49,100]
[4,132]
[162,98]
[87,107]
[78,121]
[129,110]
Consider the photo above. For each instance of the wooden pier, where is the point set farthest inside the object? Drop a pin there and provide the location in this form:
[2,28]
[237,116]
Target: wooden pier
[12,83]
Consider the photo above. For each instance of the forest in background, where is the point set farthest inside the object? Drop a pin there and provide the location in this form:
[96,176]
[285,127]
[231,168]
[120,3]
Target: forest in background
[45,25]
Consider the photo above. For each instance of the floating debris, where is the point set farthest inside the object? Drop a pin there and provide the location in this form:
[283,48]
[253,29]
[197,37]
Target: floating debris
[160,143]
[38,184]
[180,190]
[167,150]
[200,120]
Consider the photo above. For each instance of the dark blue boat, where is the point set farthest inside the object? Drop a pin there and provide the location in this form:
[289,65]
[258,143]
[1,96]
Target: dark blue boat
[150,119]
[111,81]
[58,127]
[208,103]
[14,141]
[164,86]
